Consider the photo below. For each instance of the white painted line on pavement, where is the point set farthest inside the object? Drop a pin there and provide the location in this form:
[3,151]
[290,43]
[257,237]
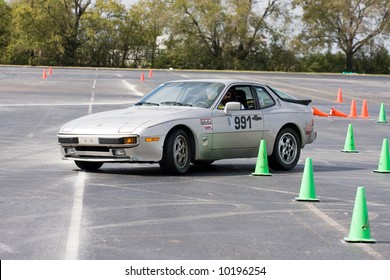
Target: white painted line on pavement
[91,103]
[331,222]
[132,88]
[72,246]
[6,248]
[62,104]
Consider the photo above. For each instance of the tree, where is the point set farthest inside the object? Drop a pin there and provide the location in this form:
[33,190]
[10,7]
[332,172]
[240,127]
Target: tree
[247,24]
[74,9]
[202,23]
[348,24]
[133,41]
[102,26]
[47,29]
[226,32]
[30,34]
[5,22]
[153,19]
[373,59]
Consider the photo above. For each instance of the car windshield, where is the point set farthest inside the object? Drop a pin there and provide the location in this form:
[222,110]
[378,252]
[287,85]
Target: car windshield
[193,94]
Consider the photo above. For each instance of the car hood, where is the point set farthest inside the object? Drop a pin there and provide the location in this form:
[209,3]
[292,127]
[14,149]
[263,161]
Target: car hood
[121,121]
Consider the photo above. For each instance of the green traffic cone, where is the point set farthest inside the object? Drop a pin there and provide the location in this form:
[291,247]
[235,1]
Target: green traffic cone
[307,191]
[262,161]
[382,114]
[360,226]
[349,146]
[384,161]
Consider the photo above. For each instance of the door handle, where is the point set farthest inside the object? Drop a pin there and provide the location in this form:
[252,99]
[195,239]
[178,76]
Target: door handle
[257,118]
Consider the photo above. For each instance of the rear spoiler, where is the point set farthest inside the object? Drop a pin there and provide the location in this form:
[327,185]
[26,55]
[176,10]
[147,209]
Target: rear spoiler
[298,101]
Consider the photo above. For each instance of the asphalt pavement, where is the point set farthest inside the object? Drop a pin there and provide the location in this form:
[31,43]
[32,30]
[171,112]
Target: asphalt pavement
[52,210]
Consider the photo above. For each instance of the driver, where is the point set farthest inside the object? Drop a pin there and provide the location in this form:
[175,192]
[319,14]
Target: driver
[211,93]
[229,96]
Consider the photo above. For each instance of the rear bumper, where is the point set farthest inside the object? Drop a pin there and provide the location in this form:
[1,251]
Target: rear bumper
[312,137]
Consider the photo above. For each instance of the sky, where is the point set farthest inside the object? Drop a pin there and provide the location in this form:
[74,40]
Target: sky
[128,2]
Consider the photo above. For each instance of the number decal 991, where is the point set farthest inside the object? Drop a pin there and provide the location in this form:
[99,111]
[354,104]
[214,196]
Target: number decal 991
[242,122]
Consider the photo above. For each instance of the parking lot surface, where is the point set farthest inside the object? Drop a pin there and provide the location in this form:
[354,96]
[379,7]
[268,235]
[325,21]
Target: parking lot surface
[52,210]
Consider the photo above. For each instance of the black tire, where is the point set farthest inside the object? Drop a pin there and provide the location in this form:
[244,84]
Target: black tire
[176,153]
[88,165]
[287,150]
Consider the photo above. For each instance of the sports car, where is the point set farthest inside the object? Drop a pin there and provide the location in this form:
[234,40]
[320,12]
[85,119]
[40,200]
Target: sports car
[193,121]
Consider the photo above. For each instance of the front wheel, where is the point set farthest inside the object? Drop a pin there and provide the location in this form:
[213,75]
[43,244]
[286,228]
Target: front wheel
[88,165]
[287,150]
[176,153]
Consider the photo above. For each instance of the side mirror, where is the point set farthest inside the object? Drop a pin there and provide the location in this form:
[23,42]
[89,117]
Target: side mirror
[232,106]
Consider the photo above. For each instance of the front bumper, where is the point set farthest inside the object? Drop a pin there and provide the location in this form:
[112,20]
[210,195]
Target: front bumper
[92,148]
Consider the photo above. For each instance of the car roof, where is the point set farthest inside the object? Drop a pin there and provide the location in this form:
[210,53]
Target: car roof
[224,81]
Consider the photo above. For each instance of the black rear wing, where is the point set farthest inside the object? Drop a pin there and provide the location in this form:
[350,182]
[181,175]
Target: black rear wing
[298,101]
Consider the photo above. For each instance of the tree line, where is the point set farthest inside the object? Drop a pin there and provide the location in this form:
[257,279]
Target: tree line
[270,35]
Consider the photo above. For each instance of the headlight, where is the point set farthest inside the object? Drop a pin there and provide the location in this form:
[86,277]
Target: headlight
[123,140]
[68,140]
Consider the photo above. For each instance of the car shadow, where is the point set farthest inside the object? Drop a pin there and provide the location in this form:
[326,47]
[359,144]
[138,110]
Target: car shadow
[194,170]
[215,169]
[336,168]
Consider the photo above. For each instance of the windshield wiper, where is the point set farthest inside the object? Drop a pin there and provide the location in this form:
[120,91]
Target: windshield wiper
[146,103]
[174,103]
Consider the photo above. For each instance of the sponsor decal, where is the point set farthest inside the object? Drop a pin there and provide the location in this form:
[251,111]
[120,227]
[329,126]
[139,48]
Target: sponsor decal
[205,121]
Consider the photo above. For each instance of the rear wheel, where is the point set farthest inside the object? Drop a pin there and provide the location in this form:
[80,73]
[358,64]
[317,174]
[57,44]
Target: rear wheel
[176,153]
[87,165]
[287,150]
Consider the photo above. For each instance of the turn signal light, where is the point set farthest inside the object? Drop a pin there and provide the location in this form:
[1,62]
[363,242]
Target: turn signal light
[130,140]
[152,139]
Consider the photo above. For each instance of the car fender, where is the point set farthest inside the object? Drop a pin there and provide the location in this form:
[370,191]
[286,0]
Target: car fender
[275,121]
[200,135]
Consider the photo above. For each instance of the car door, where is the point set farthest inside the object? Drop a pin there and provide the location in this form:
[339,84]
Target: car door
[238,130]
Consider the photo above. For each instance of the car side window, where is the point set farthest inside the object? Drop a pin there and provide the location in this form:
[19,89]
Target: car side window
[265,99]
[245,97]
[241,94]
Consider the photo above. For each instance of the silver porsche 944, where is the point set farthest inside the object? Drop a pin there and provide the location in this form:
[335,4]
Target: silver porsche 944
[193,121]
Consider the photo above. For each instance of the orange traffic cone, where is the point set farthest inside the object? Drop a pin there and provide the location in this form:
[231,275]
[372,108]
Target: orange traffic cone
[340,96]
[142,76]
[352,112]
[319,113]
[364,113]
[150,73]
[337,113]
[44,76]
[50,71]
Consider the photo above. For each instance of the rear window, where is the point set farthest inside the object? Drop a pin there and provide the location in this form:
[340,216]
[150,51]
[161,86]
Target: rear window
[282,94]
[289,98]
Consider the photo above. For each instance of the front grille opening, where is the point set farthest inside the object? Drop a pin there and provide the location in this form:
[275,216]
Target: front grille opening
[92,149]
